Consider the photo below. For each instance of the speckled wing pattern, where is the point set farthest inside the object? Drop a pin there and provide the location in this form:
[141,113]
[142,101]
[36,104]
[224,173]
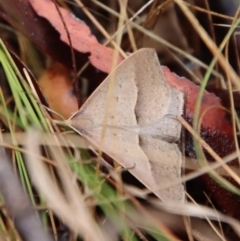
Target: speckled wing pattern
[139,119]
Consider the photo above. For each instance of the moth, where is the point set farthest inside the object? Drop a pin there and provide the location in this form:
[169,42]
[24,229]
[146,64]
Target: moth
[133,117]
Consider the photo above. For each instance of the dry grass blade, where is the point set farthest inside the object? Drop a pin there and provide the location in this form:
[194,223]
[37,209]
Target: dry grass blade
[211,45]
[66,140]
[72,208]
[100,28]
[210,150]
[18,203]
[193,210]
[152,35]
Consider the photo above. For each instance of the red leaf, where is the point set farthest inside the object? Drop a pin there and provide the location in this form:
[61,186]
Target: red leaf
[23,18]
[214,116]
[216,130]
[81,36]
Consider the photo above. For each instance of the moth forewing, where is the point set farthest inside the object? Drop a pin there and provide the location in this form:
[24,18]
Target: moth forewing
[141,98]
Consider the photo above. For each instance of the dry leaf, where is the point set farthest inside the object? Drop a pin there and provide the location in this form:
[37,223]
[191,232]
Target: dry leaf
[141,124]
[56,86]
[81,36]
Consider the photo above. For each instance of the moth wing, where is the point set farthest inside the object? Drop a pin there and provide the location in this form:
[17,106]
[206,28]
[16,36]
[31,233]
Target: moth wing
[138,88]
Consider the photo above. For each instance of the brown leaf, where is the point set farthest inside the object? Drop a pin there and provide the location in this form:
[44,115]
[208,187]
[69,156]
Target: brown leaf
[57,87]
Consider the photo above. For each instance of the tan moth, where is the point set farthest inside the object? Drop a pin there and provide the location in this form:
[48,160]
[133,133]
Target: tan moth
[140,120]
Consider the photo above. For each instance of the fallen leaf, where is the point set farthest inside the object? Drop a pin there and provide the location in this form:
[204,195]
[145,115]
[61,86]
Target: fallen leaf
[38,30]
[216,130]
[215,117]
[141,125]
[81,36]
[57,87]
